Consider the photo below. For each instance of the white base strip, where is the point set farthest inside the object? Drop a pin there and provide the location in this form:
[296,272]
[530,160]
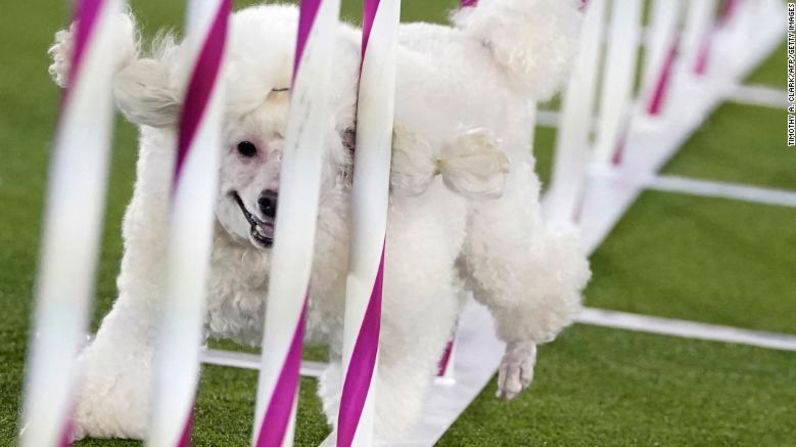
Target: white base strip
[758,95]
[686,329]
[723,190]
[590,316]
[252,361]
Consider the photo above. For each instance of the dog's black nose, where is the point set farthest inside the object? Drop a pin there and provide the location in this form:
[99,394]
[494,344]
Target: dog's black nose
[267,203]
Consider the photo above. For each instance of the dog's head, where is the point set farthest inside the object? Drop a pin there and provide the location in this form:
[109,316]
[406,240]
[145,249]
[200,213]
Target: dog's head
[257,81]
[250,166]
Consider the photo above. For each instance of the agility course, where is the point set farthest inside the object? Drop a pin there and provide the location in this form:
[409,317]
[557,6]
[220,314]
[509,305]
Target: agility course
[633,139]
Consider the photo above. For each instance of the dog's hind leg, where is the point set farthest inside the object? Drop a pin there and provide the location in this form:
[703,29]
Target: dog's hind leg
[412,343]
[420,303]
[406,370]
[407,365]
[530,276]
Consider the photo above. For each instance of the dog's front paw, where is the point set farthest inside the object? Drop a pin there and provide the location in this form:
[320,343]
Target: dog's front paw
[516,369]
[61,52]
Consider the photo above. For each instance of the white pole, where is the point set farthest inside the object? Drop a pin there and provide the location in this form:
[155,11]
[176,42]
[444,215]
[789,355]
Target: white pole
[72,227]
[619,77]
[572,151]
[369,195]
[296,220]
[664,20]
[700,18]
[661,50]
[194,190]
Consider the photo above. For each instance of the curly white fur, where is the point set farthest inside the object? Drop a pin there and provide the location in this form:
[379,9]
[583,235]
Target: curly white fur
[531,39]
[464,209]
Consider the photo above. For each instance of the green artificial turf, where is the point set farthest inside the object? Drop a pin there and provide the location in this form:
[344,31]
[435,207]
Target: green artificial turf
[773,71]
[592,387]
[225,411]
[601,387]
[711,260]
[543,151]
[739,144]
[743,144]
[317,353]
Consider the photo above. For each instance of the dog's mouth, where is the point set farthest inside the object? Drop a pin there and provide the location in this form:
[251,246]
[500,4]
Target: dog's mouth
[261,232]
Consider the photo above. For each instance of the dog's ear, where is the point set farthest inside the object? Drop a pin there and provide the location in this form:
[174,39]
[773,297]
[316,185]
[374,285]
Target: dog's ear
[145,94]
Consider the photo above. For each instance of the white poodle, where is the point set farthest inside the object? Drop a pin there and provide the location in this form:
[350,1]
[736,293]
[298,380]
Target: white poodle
[464,208]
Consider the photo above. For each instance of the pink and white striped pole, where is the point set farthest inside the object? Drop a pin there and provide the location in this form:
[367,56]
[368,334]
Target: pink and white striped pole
[194,190]
[445,370]
[657,99]
[663,46]
[616,94]
[72,228]
[727,13]
[697,35]
[370,199]
[294,237]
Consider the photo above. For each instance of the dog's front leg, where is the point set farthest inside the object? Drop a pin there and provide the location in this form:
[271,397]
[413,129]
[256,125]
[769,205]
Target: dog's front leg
[114,393]
[114,398]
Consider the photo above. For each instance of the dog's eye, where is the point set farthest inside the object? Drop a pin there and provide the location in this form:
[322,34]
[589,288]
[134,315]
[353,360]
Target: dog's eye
[247,149]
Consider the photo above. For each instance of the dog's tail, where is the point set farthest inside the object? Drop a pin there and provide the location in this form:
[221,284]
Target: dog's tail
[126,47]
[143,87]
[471,164]
[534,40]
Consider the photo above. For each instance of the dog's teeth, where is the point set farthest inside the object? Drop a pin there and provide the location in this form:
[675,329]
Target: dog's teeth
[260,230]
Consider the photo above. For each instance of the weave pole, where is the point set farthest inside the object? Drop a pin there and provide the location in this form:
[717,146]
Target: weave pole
[294,237]
[370,199]
[194,189]
[700,17]
[72,228]
[616,95]
[573,145]
[663,46]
